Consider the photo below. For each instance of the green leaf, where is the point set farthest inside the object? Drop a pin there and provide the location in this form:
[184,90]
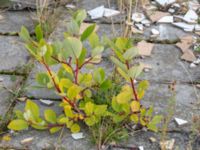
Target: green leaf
[123,74]
[97,51]
[135,71]
[134,118]
[94,40]
[39,32]
[73,27]
[135,106]
[75,128]
[55,129]
[18,125]
[19,114]
[88,31]
[143,85]
[153,123]
[33,109]
[42,79]
[118,63]
[73,46]
[122,43]
[89,108]
[24,34]
[90,121]
[73,91]
[50,116]
[100,110]
[80,15]
[130,53]
[115,105]
[99,75]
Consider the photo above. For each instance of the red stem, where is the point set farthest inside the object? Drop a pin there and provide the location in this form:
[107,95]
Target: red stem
[76,72]
[86,62]
[132,84]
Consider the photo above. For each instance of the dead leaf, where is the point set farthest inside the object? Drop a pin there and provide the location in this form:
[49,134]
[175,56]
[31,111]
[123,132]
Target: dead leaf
[145,48]
[156,15]
[198,86]
[85,25]
[187,39]
[167,145]
[146,66]
[22,99]
[188,56]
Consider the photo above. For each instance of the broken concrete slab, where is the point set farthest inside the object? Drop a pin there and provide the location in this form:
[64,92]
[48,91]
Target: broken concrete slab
[168,33]
[166,64]
[12,22]
[165,2]
[5,96]
[14,57]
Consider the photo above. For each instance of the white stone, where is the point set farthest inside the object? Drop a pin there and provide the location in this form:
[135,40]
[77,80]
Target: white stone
[166,19]
[191,16]
[177,5]
[141,148]
[27,140]
[194,5]
[46,102]
[184,26]
[139,26]
[97,12]
[146,22]
[155,32]
[77,136]
[171,10]
[138,17]
[180,121]
[197,62]
[197,27]
[1,79]
[70,6]
[110,12]
[192,65]
[165,2]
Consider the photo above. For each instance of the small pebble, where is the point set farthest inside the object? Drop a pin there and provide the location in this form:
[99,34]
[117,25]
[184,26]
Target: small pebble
[47,102]
[180,122]
[152,139]
[155,32]
[77,136]
[1,79]
[192,65]
[27,140]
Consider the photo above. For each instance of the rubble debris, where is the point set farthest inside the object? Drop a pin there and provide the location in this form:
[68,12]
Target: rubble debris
[180,122]
[145,48]
[146,22]
[188,56]
[1,79]
[165,2]
[97,12]
[135,30]
[139,26]
[186,27]
[198,86]
[167,145]
[157,15]
[155,32]
[71,6]
[46,102]
[152,139]
[78,136]
[138,17]
[101,11]
[141,147]
[110,12]
[27,140]
[22,99]
[192,65]
[191,16]
[166,19]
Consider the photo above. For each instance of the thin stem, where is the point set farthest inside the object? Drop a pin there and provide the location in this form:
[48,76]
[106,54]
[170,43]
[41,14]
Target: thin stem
[86,62]
[76,72]
[132,84]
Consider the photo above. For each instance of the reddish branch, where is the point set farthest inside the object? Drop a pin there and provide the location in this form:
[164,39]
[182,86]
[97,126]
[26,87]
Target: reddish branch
[76,72]
[132,84]
[86,62]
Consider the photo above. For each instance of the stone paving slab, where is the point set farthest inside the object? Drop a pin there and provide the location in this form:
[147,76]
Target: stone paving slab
[11,21]
[167,65]
[5,95]
[14,57]
[45,140]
